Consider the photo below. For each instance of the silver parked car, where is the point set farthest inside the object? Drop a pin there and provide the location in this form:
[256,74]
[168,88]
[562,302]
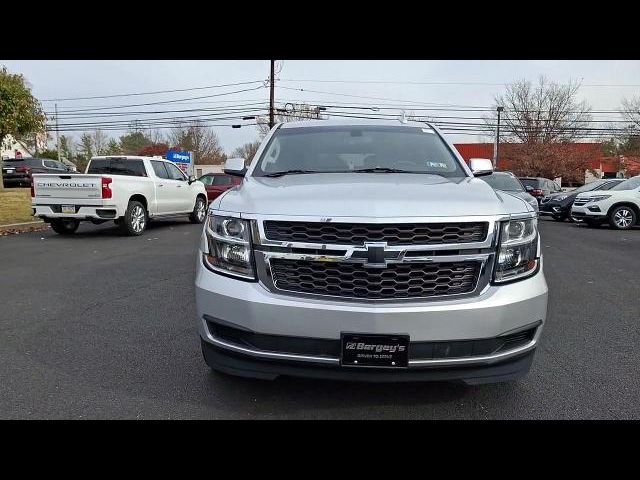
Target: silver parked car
[509,183]
[368,251]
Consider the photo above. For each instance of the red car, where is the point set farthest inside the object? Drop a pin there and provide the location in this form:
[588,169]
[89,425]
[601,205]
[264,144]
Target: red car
[218,183]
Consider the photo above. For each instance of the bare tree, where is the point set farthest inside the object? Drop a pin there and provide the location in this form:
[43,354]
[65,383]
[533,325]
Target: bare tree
[199,139]
[631,111]
[100,142]
[247,151]
[547,112]
[156,136]
[294,113]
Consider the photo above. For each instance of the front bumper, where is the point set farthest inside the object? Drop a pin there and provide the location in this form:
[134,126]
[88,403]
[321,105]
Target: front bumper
[246,366]
[554,209]
[584,213]
[249,305]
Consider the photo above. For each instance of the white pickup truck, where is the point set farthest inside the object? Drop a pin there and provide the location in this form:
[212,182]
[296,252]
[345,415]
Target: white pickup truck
[126,189]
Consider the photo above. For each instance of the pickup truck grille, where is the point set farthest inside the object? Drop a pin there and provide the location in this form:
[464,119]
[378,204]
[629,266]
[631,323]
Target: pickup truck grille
[354,280]
[393,234]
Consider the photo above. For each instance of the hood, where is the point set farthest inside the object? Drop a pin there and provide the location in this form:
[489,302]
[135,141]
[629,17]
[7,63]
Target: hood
[368,195]
[594,193]
[558,195]
[530,199]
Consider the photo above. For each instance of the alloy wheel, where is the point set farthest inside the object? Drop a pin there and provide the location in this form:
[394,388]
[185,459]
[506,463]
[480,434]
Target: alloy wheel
[623,218]
[201,210]
[137,219]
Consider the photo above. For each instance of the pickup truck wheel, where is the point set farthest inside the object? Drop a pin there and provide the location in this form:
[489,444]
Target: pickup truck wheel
[135,219]
[199,211]
[65,227]
[622,218]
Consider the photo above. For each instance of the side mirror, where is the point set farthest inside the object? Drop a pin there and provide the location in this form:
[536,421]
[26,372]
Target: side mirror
[528,188]
[481,166]
[235,166]
[192,179]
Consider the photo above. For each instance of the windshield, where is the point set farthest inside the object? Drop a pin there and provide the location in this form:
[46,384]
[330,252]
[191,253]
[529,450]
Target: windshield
[354,148]
[628,184]
[506,183]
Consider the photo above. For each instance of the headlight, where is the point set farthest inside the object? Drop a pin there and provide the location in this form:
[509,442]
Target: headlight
[229,245]
[560,197]
[518,250]
[597,198]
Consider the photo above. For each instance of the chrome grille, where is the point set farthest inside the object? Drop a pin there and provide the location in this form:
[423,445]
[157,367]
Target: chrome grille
[354,280]
[580,202]
[392,233]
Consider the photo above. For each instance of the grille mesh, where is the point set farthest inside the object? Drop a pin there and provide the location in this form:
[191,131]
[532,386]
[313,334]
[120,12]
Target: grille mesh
[393,234]
[353,280]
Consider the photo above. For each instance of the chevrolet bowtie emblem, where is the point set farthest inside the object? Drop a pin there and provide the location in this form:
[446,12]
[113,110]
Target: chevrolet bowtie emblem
[376,255]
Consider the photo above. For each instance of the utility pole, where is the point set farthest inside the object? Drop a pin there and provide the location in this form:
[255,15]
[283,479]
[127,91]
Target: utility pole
[271,94]
[57,133]
[496,146]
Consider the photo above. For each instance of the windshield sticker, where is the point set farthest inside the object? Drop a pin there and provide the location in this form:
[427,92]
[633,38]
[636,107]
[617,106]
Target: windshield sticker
[437,165]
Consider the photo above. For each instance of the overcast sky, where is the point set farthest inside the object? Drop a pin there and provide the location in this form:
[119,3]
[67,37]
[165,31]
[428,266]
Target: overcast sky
[474,83]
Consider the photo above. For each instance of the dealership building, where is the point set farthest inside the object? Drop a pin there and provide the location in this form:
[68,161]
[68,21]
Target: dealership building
[600,166]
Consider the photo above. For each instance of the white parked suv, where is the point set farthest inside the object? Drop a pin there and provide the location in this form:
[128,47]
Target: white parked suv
[619,206]
[126,189]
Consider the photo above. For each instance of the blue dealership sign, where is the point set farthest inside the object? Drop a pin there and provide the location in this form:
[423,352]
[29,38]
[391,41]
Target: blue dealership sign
[179,157]
[183,160]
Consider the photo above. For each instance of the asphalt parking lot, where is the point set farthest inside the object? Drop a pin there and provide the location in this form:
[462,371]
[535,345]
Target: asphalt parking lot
[103,326]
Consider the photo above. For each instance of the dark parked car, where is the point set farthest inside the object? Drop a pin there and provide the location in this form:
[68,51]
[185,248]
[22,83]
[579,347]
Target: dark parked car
[218,183]
[540,187]
[16,172]
[558,205]
[508,182]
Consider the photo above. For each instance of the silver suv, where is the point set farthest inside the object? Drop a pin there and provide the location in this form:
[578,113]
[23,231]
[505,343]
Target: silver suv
[368,251]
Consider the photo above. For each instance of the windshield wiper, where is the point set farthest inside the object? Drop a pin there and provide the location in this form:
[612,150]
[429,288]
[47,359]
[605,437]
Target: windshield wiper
[288,172]
[382,170]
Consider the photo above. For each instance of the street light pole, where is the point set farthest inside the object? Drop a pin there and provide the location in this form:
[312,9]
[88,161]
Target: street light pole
[496,148]
[271,94]
[57,132]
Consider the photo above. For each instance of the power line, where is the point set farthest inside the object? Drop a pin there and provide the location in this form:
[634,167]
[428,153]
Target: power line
[164,101]
[151,93]
[74,116]
[392,82]
[201,125]
[124,124]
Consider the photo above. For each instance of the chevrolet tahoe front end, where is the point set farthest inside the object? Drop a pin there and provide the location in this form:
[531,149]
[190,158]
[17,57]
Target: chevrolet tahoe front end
[369,273]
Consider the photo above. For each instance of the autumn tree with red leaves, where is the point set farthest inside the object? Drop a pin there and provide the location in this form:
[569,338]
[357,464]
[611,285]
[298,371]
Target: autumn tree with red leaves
[155,149]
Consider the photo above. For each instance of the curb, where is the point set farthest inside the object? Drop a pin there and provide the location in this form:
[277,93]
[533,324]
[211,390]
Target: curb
[15,228]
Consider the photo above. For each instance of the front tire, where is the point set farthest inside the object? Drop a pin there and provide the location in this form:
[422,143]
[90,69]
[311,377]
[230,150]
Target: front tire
[199,211]
[622,218]
[65,227]
[135,219]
